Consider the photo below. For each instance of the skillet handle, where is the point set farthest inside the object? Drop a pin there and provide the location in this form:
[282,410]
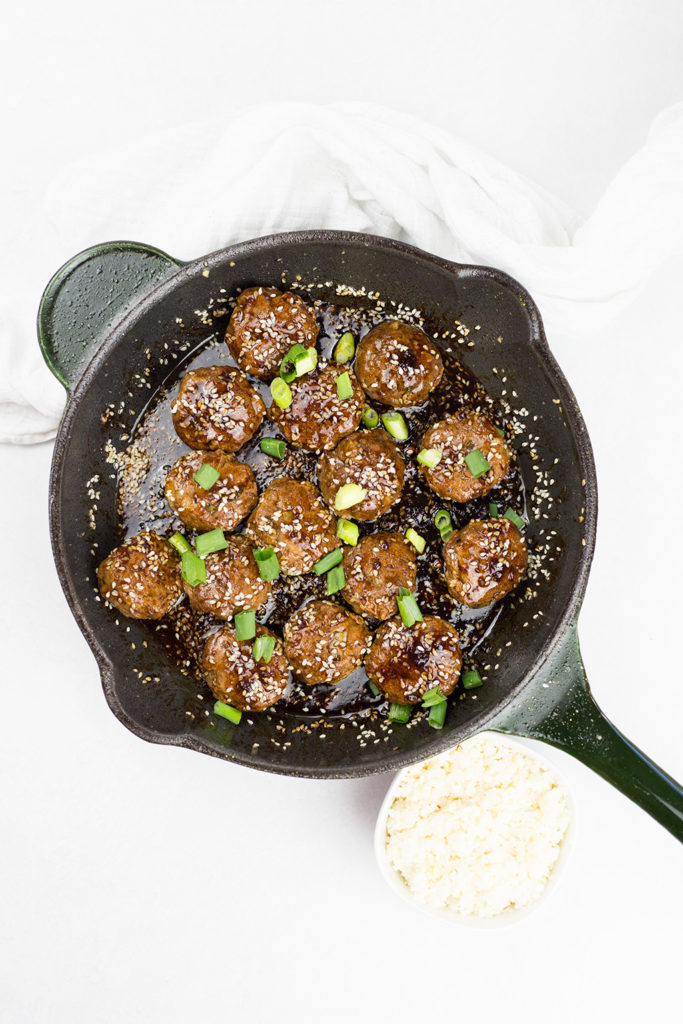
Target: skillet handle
[88,296]
[559,709]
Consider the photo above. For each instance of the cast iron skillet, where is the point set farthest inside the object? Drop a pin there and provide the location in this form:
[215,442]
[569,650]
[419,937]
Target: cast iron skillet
[105,319]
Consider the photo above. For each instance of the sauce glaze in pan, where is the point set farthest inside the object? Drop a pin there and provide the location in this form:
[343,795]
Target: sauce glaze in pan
[155,446]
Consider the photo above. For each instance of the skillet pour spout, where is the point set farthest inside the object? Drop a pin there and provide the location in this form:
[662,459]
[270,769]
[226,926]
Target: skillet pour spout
[115,324]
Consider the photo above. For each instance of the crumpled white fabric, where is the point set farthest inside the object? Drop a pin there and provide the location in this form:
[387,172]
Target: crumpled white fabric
[283,167]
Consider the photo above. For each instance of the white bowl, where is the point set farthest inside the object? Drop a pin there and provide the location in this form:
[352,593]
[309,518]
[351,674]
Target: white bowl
[507,917]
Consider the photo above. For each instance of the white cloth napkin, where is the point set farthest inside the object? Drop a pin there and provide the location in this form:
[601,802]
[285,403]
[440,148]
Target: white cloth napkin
[349,166]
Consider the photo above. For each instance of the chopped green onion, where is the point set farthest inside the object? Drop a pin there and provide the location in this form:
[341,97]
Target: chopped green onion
[287,367]
[268,564]
[432,697]
[206,543]
[408,607]
[178,542]
[442,521]
[430,457]
[476,463]
[501,432]
[493,509]
[437,715]
[226,711]
[347,531]
[514,518]
[374,688]
[245,625]
[349,495]
[206,476]
[263,648]
[400,713]
[336,580]
[344,349]
[328,561]
[471,679]
[344,386]
[395,425]
[274,446]
[418,542]
[193,569]
[305,361]
[369,417]
[281,392]
[296,350]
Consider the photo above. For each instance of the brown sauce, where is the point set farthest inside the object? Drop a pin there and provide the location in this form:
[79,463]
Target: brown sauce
[143,507]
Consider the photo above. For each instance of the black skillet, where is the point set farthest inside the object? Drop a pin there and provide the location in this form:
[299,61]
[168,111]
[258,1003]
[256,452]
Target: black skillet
[104,320]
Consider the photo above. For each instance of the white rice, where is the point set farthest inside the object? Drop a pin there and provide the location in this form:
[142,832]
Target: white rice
[478,829]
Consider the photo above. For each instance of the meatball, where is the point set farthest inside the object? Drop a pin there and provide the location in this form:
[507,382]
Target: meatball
[374,570]
[317,418]
[484,561]
[371,460]
[325,643]
[233,676]
[263,327]
[216,407]
[406,662]
[141,578]
[455,437]
[232,583]
[397,364]
[224,504]
[292,518]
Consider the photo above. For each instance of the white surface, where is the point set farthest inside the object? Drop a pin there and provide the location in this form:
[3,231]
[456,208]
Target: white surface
[142,883]
[357,166]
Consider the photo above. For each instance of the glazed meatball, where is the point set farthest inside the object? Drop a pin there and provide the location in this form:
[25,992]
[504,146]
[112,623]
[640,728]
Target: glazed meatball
[224,504]
[263,327]
[406,662]
[484,561]
[397,364]
[233,676]
[232,582]
[455,437]
[374,570]
[216,407]
[371,460]
[292,518]
[141,578]
[325,643]
[317,418]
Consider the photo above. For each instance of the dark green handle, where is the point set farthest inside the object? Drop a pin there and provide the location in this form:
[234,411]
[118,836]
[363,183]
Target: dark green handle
[559,708]
[89,295]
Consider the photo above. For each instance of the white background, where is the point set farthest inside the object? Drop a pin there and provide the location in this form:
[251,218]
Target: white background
[142,883]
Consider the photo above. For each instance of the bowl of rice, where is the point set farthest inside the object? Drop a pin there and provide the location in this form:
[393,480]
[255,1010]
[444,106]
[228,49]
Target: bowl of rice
[477,835]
